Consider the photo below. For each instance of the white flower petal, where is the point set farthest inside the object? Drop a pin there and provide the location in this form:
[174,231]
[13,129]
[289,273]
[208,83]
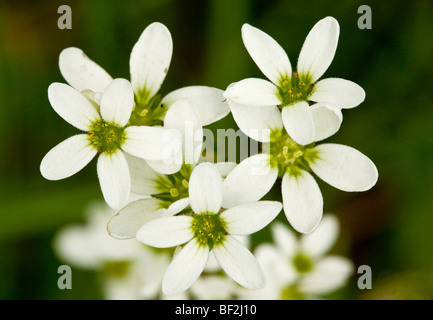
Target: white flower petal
[177,206]
[72,106]
[67,158]
[81,72]
[150,59]
[205,188]
[298,122]
[338,92]
[279,273]
[214,287]
[167,166]
[269,56]
[212,265]
[117,102]
[208,102]
[323,238]
[344,167]
[151,269]
[239,263]
[113,174]
[251,217]
[130,219]
[94,97]
[302,201]
[105,247]
[257,123]
[249,181]
[174,208]
[166,232]
[225,168]
[143,177]
[152,143]
[253,92]
[319,48]
[183,117]
[284,238]
[71,245]
[327,120]
[330,273]
[185,268]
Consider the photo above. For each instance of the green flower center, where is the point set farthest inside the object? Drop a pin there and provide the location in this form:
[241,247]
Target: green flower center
[302,263]
[209,229]
[294,89]
[173,187]
[292,293]
[289,156]
[116,268]
[148,111]
[106,137]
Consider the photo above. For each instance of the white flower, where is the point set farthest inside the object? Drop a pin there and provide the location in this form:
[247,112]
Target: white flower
[299,267]
[108,135]
[128,269]
[207,230]
[166,195]
[149,63]
[290,90]
[341,166]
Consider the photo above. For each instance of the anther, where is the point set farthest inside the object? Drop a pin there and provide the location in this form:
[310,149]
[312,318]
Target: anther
[298,153]
[185,183]
[174,192]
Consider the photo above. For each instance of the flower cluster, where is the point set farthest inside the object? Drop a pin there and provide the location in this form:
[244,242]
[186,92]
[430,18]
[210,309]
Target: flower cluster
[299,267]
[151,145]
[296,267]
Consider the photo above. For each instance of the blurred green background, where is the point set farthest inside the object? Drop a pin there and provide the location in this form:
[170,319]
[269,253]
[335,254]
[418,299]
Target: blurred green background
[389,228]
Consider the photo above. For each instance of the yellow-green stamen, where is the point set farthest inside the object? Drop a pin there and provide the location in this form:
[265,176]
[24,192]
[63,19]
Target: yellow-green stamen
[209,229]
[106,137]
[294,89]
[289,156]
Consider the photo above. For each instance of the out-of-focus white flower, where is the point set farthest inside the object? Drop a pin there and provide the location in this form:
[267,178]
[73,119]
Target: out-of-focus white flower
[299,267]
[206,229]
[127,269]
